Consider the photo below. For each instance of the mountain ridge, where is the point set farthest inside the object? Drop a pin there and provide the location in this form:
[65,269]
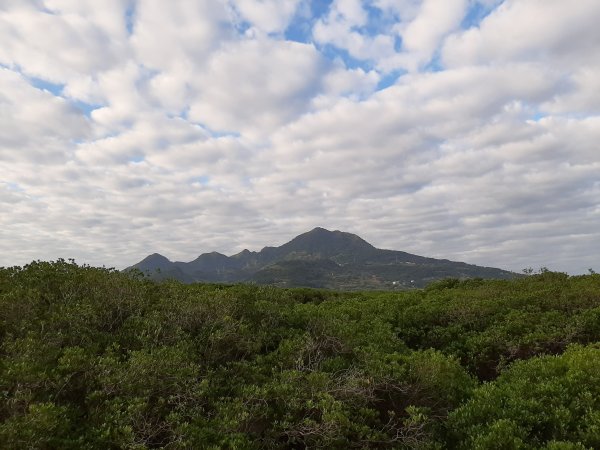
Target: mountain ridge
[318,258]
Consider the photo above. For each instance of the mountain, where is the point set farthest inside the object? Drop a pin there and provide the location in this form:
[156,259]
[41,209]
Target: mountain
[319,258]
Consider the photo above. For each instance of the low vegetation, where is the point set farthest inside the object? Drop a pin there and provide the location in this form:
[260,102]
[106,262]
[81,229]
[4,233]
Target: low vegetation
[93,358]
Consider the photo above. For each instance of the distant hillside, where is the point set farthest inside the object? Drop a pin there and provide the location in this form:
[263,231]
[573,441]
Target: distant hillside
[319,258]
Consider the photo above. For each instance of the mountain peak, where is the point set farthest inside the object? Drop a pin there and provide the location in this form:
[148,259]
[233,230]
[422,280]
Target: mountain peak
[153,262]
[319,230]
[156,258]
[212,255]
[327,243]
[318,258]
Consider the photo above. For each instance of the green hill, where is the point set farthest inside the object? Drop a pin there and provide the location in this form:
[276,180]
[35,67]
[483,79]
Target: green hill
[322,259]
[99,359]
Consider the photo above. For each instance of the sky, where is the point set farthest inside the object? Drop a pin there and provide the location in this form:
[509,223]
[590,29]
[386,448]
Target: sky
[458,129]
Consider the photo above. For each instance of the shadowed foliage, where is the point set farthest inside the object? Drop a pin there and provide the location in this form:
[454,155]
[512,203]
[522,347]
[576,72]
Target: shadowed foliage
[94,358]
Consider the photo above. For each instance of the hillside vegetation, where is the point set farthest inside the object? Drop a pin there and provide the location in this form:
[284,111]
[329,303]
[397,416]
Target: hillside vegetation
[97,359]
[318,259]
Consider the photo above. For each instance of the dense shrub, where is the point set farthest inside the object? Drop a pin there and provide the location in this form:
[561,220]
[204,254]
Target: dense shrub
[96,359]
[535,403]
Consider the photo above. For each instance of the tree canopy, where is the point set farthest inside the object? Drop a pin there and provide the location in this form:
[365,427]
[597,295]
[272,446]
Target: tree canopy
[91,358]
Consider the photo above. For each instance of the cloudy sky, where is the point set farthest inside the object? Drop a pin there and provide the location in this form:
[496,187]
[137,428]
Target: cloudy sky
[459,129]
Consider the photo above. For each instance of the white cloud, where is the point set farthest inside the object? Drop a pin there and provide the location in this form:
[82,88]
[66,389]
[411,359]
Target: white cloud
[351,11]
[420,26]
[356,83]
[452,163]
[270,16]
[581,95]
[63,41]
[36,126]
[406,10]
[241,89]
[209,138]
[422,35]
[340,28]
[182,33]
[530,30]
[433,21]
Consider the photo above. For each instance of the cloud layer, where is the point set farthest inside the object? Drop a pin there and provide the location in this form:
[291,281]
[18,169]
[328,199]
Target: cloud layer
[465,129]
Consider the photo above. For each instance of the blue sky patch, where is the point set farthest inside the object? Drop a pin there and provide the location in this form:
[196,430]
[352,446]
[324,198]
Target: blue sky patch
[84,107]
[435,64]
[130,17]
[218,133]
[202,180]
[53,88]
[389,79]
[14,187]
[378,22]
[56,89]
[537,116]
[299,30]
[475,14]
[320,8]
[332,52]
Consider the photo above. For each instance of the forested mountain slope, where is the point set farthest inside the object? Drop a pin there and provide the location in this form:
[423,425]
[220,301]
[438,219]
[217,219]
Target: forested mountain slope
[98,359]
[321,259]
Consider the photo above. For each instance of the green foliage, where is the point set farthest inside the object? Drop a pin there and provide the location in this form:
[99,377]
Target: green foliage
[96,359]
[550,400]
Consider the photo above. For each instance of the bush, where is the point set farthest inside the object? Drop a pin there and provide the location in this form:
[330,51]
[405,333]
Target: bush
[539,401]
